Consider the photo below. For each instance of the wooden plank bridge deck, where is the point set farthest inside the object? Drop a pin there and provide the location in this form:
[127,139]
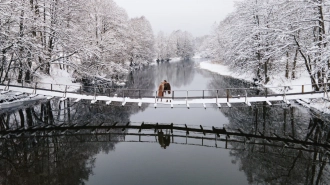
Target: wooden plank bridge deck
[181,97]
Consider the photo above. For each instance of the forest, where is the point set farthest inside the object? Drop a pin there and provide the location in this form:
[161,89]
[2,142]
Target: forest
[88,38]
[274,37]
[97,39]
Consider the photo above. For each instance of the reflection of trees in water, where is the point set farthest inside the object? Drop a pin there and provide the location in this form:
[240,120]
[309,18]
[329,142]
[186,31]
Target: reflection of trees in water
[264,164]
[141,79]
[50,160]
[55,160]
[177,73]
[223,82]
[271,165]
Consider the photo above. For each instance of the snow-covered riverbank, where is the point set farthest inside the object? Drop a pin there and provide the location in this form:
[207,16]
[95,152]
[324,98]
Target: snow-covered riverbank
[276,84]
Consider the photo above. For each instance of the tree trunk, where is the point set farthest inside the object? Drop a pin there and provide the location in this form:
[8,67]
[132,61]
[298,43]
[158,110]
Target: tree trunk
[266,71]
[21,34]
[8,68]
[287,66]
[28,77]
[293,75]
[3,63]
[20,73]
[307,64]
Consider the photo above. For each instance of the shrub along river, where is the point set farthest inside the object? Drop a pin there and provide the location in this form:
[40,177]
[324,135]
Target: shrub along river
[165,156]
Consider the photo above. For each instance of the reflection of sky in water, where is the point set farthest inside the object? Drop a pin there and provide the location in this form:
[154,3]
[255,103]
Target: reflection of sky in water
[192,116]
[141,163]
[148,163]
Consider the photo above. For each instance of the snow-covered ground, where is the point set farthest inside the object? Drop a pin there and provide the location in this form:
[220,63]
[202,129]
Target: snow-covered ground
[59,78]
[277,83]
[197,56]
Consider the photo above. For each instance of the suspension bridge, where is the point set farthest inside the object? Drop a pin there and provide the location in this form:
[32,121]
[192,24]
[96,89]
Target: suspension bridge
[219,97]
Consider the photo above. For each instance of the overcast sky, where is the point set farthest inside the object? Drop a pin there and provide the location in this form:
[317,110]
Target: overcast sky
[194,16]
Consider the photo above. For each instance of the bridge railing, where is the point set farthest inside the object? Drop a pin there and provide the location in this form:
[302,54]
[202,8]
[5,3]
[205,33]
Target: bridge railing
[99,90]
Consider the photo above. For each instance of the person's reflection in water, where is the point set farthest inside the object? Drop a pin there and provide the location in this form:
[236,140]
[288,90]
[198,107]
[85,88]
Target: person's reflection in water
[164,140]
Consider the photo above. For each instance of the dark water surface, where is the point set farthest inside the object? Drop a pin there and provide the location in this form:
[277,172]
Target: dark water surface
[98,157]
[149,163]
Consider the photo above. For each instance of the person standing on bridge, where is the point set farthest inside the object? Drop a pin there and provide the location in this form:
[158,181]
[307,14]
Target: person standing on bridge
[161,91]
[167,88]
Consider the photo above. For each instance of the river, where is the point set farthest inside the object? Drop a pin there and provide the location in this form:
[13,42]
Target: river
[165,158]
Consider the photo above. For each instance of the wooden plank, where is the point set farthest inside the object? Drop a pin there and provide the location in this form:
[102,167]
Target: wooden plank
[140,104]
[77,100]
[219,105]
[93,101]
[228,104]
[287,102]
[308,101]
[50,97]
[124,103]
[268,102]
[108,102]
[33,95]
[18,93]
[303,103]
[188,106]
[204,105]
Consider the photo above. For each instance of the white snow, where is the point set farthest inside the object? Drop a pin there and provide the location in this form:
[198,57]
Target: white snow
[222,69]
[59,78]
[277,83]
[197,56]
[175,59]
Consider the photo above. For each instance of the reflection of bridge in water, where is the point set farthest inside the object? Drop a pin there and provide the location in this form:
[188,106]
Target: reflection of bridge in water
[202,136]
[219,97]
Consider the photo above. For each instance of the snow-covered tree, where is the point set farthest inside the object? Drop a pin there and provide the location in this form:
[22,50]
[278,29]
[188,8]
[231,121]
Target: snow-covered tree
[270,36]
[182,43]
[87,36]
[141,48]
[162,46]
